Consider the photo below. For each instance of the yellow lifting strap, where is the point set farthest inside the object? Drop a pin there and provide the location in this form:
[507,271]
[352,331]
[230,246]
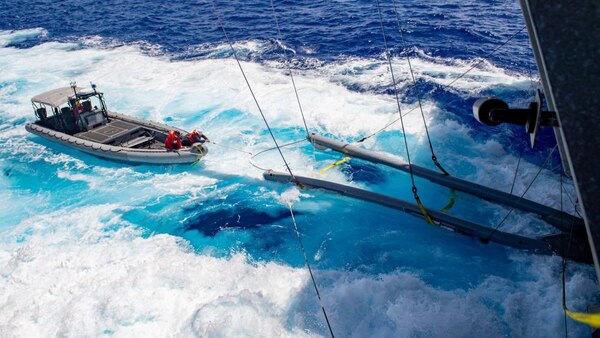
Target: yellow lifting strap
[592,319]
[451,202]
[424,212]
[344,160]
[201,155]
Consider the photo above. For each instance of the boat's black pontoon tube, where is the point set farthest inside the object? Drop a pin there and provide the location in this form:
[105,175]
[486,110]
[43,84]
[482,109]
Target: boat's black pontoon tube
[558,219]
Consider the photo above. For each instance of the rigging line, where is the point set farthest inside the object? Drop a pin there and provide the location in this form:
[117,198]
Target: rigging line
[512,208]
[591,319]
[565,253]
[257,166]
[251,91]
[385,127]
[281,146]
[378,131]
[396,94]
[572,202]
[412,75]
[412,177]
[227,147]
[453,81]
[272,148]
[512,187]
[485,57]
[312,277]
[289,68]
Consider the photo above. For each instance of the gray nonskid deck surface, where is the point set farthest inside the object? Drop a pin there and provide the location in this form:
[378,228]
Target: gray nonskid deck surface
[109,132]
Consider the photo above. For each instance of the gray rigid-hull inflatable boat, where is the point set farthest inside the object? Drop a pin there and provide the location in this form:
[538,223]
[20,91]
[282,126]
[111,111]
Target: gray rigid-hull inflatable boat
[70,116]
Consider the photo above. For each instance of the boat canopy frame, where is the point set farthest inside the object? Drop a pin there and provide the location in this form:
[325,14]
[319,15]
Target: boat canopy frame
[66,97]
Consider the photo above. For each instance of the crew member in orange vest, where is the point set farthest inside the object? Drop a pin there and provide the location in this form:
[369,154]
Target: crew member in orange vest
[193,137]
[173,141]
[77,109]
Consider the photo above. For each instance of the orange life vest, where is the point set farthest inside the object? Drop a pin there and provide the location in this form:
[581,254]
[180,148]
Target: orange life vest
[191,136]
[173,141]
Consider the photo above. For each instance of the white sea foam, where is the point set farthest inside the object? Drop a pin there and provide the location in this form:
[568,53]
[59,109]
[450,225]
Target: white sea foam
[370,74]
[242,48]
[416,309]
[97,281]
[10,37]
[128,179]
[74,272]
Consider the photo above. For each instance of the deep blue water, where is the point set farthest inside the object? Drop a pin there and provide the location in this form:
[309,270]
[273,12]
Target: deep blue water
[79,219]
[326,30]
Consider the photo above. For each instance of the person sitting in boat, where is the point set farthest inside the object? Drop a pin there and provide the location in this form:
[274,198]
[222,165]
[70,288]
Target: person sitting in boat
[173,141]
[193,137]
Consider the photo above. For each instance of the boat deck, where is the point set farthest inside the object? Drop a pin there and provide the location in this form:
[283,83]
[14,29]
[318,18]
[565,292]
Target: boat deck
[110,132]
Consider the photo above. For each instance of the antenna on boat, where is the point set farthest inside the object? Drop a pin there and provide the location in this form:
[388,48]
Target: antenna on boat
[73,85]
[102,103]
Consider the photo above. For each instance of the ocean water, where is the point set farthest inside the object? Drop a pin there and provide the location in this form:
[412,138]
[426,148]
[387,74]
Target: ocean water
[90,247]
